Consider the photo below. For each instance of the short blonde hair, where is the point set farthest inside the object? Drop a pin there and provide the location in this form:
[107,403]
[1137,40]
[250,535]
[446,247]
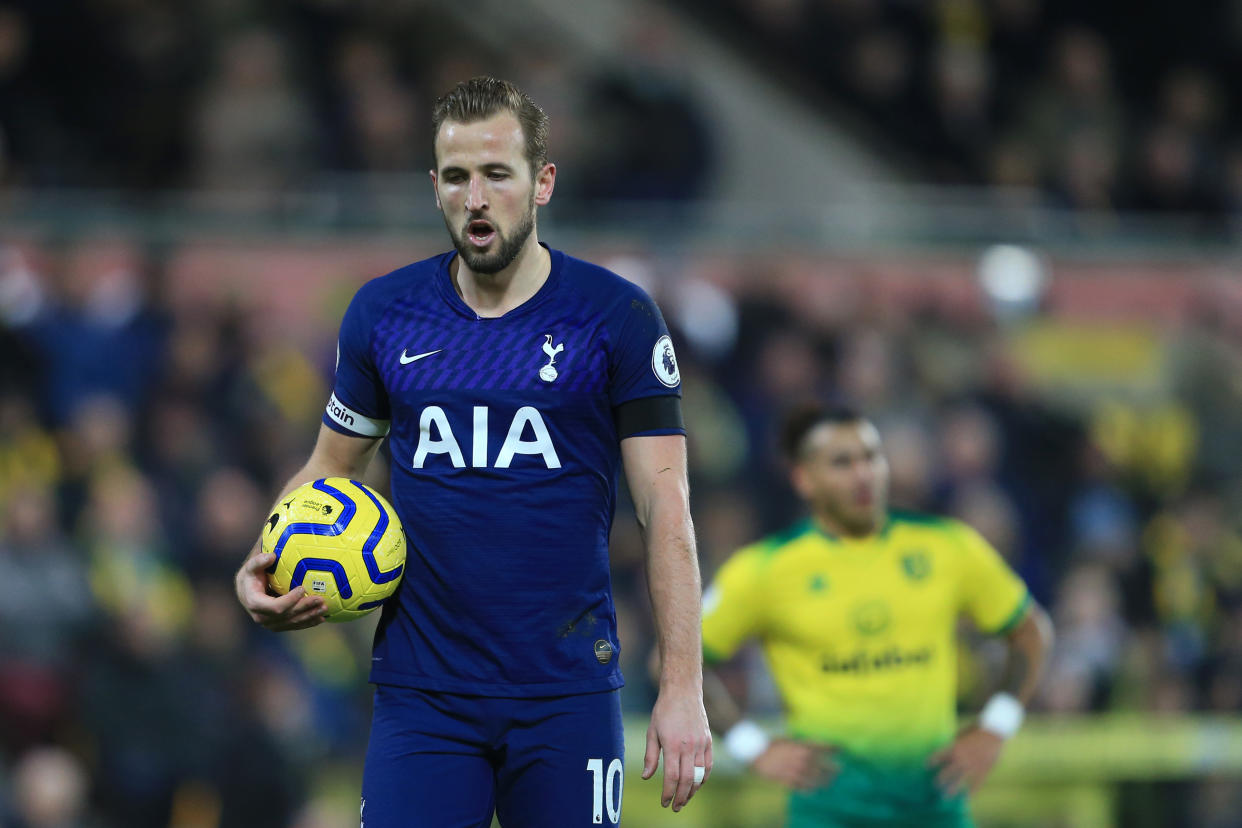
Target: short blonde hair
[482,97]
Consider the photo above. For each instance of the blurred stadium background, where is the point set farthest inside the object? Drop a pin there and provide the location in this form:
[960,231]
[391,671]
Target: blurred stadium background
[1007,228]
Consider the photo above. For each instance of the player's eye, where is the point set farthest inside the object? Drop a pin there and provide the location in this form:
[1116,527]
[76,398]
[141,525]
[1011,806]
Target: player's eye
[497,175]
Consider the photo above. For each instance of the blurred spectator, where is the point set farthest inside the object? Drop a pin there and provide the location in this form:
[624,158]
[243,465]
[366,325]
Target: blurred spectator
[969,442]
[45,610]
[1076,98]
[381,133]
[50,787]
[1173,175]
[254,130]
[626,159]
[29,456]
[15,91]
[961,100]
[1091,640]
[130,568]
[911,464]
[96,334]
[1206,367]
[227,515]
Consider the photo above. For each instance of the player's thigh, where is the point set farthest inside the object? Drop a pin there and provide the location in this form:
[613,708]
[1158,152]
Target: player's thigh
[427,765]
[563,765]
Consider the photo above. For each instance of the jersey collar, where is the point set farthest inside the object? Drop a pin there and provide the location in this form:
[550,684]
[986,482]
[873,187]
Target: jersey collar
[444,284]
[880,534]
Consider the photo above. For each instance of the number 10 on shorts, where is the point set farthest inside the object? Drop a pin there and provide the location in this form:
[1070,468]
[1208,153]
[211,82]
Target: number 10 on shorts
[607,790]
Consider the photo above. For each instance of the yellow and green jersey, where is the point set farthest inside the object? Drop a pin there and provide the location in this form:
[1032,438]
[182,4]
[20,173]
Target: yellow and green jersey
[860,636]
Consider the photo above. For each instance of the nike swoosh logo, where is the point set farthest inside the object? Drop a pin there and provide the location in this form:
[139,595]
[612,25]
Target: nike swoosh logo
[406,360]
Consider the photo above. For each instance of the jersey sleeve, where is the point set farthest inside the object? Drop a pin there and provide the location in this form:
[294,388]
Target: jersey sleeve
[643,362]
[359,402]
[991,593]
[733,606]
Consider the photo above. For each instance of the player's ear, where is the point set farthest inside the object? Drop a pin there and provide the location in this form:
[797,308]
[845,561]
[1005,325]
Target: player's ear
[545,182]
[435,188]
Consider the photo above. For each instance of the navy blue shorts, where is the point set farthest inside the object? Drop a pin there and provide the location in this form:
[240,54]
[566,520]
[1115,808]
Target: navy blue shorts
[439,760]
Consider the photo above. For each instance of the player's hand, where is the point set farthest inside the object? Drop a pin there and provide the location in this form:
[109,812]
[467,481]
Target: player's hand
[679,729]
[796,765]
[964,764]
[294,611]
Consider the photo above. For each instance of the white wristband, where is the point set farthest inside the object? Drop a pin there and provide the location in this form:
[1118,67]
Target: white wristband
[1002,715]
[745,741]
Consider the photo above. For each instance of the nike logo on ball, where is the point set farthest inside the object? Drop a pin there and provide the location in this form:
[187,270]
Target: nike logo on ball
[406,360]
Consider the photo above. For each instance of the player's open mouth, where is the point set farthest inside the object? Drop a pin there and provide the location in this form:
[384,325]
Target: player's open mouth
[480,233]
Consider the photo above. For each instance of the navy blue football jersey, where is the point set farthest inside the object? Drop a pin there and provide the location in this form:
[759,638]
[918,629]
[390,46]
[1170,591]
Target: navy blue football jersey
[505,455]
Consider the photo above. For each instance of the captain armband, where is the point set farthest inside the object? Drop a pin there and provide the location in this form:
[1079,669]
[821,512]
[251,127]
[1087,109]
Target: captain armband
[649,414]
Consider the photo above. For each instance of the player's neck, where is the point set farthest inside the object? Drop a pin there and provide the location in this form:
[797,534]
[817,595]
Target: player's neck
[495,294]
[832,526]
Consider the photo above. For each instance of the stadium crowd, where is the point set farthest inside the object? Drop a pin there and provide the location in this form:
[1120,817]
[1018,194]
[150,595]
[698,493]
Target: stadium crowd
[273,96]
[142,438]
[1082,106]
[1088,105]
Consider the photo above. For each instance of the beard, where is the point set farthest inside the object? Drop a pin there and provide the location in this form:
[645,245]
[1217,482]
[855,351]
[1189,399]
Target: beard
[506,249]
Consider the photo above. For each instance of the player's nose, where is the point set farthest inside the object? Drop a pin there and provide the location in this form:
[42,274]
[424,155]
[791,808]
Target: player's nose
[476,196]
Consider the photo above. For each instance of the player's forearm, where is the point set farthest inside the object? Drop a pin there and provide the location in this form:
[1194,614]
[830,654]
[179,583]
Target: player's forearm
[674,587]
[1029,644]
[723,711]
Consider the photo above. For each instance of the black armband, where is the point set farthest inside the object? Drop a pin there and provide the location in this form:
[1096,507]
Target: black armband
[648,414]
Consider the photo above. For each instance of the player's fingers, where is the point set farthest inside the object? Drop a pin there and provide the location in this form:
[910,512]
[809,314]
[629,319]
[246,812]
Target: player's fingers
[805,769]
[306,610]
[269,607]
[950,778]
[827,768]
[257,563]
[708,761]
[307,603]
[672,773]
[808,778]
[651,759]
[939,757]
[685,776]
[698,773]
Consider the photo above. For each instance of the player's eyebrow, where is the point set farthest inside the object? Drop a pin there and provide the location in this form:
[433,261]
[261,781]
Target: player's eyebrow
[488,167]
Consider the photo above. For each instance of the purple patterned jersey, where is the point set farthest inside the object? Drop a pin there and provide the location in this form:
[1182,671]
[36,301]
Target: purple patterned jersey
[505,454]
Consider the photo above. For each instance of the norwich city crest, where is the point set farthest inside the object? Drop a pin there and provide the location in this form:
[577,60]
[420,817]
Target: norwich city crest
[916,565]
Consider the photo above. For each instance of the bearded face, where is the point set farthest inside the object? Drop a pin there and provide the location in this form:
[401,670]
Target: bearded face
[487,191]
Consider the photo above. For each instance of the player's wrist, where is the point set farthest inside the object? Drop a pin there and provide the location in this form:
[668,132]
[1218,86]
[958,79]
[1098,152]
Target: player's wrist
[1002,715]
[681,675]
[746,741]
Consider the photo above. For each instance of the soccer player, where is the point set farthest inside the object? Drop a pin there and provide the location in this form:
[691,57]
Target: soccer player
[856,610]
[511,380]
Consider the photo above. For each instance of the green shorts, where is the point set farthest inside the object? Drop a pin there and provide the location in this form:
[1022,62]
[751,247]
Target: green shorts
[864,795]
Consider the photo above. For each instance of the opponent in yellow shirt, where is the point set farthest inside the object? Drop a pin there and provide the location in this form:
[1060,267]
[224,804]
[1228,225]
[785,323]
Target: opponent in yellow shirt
[856,610]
